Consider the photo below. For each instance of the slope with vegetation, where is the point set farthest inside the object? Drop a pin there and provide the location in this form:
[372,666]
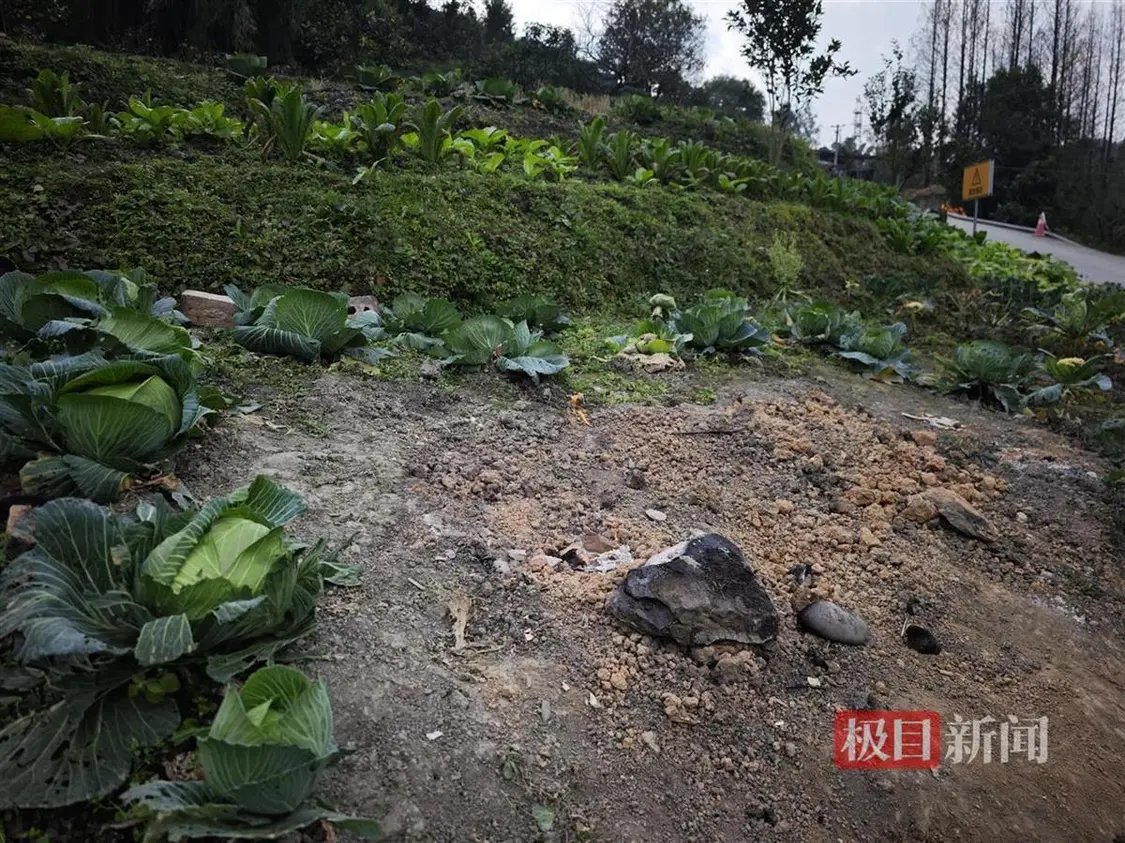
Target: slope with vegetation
[474,238]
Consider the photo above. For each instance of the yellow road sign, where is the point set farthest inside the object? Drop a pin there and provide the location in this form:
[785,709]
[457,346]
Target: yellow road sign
[977,183]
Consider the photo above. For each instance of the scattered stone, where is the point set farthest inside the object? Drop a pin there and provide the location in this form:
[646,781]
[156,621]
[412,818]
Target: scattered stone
[636,479]
[611,561]
[652,364]
[649,739]
[542,562]
[491,477]
[924,438]
[814,681]
[362,304]
[597,543]
[208,309]
[430,370]
[790,749]
[19,529]
[960,514]
[861,496]
[785,507]
[833,623]
[517,555]
[868,538]
[696,593]
[656,515]
[921,640]
[919,509]
[1021,517]
[619,681]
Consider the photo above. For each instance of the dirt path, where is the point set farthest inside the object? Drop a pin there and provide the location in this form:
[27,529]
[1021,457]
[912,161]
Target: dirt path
[624,738]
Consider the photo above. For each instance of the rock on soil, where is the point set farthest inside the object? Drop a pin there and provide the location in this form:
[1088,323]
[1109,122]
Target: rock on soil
[697,592]
[959,514]
[834,623]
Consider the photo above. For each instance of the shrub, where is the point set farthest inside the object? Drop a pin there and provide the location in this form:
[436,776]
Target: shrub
[639,109]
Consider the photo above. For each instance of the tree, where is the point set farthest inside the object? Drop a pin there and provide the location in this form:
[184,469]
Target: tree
[800,122]
[650,46]
[780,42]
[499,21]
[893,111]
[730,96]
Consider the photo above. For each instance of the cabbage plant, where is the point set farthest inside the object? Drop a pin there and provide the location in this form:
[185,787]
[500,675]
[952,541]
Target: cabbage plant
[537,311]
[511,348]
[990,371]
[303,323]
[721,322]
[418,323]
[84,425]
[261,760]
[52,303]
[105,611]
[823,323]
[880,353]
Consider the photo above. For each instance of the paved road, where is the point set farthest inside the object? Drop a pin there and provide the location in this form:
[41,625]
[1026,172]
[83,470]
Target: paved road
[1099,267]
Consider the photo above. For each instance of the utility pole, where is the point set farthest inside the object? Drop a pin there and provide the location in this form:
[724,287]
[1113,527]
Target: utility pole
[836,147]
[857,129]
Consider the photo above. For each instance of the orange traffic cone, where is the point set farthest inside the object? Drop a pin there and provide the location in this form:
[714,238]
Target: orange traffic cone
[1041,226]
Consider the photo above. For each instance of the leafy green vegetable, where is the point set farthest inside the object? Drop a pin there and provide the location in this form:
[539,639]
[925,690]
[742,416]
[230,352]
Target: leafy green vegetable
[435,84]
[1079,319]
[880,353]
[552,99]
[147,122]
[246,65]
[720,322]
[96,422]
[512,348]
[527,353]
[382,124]
[478,341]
[411,314]
[497,91]
[378,77]
[823,323]
[306,324]
[1070,375]
[286,122]
[261,761]
[433,135]
[116,311]
[537,311]
[990,370]
[103,599]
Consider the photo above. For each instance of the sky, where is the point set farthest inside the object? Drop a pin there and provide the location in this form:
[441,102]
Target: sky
[865,28]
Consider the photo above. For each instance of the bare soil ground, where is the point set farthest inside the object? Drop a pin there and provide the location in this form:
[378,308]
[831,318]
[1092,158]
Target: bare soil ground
[553,704]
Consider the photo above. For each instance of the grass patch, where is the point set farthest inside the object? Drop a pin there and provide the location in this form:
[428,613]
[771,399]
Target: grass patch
[201,221]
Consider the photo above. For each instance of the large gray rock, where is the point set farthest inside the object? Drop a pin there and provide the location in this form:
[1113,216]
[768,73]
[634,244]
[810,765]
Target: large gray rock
[696,593]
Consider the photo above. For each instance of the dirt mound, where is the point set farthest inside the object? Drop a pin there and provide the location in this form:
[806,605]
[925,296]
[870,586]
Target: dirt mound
[552,722]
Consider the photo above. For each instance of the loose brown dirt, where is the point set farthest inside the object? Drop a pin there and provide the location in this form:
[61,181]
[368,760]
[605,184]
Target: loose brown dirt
[551,706]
